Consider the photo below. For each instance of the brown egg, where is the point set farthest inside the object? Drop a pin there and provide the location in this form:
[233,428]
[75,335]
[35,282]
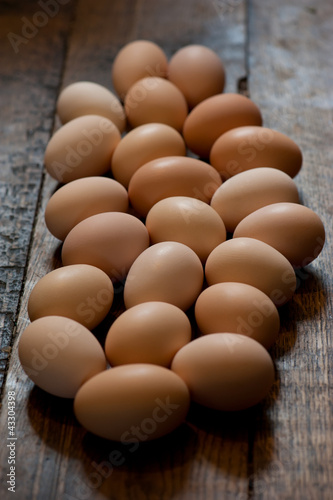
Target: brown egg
[198,72]
[89,98]
[59,355]
[137,60]
[172,176]
[110,241]
[225,371]
[143,144]
[246,192]
[81,199]
[82,147]
[80,292]
[250,261]
[238,308]
[132,403]
[151,332]
[187,220]
[244,148]
[155,100]
[216,115]
[292,229]
[166,272]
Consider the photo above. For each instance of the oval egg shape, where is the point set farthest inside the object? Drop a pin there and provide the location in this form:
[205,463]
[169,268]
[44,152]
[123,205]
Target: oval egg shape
[81,292]
[246,192]
[155,99]
[143,144]
[89,98]
[110,241]
[237,308]
[151,332]
[172,176]
[244,148]
[167,272]
[81,199]
[186,220]
[136,60]
[198,72]
[294,230]
[59,355]
[250,261]
[82,147]
[216,115]
[132,403]
[224,371]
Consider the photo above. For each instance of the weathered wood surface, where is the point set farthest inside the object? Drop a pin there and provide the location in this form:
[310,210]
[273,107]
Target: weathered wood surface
[280,449]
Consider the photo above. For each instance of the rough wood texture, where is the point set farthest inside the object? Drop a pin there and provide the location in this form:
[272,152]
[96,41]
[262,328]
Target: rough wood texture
[280,449]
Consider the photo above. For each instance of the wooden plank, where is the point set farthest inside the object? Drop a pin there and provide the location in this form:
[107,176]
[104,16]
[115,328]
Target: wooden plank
[290,81]
[28,88]
[207,456]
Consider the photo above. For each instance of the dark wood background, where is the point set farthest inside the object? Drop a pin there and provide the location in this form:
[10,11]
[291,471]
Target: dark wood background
[279,53]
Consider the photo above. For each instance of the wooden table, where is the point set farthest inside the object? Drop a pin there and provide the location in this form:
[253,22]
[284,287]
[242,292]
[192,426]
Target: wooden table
[279,53]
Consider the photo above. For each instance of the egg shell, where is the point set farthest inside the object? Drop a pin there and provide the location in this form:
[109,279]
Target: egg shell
[244,148]
[155,99]
[80,199]
[143,144]
[59,355]
[82,147]
[166,272]
[216,115]
[110,241]
[294,230]
[246,192]
[225,371]
[250,261]
[135,61]
[172,176]
[151,332]
[198,72]
[89,98]
[237,308]
[132,403]
[80,292]
[186,220]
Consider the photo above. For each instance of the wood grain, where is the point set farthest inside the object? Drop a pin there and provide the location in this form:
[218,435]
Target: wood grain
[281,448]
[289,80]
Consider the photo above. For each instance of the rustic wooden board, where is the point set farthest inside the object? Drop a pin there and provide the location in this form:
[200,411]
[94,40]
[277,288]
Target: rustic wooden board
[279,449]
[289,79]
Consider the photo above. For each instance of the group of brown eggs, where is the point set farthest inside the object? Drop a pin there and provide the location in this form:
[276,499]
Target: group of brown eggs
[219,233]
